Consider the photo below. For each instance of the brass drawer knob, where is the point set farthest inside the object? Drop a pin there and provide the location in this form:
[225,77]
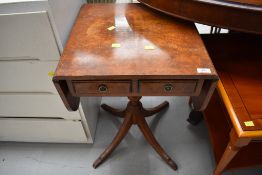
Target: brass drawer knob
[168,87]
[102,88]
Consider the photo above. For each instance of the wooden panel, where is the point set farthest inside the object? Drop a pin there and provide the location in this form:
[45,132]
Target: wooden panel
[101,88]
[27,36]
[70,102]
[168,87]
[240,73]
[27,76]
[34,105]
[42,130]
[219,125]
[200,102]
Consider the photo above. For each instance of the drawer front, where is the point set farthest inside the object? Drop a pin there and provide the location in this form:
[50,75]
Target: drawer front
[35,105]
[102,88]
[42,130]
[168,87]
[27,36]
[27,76]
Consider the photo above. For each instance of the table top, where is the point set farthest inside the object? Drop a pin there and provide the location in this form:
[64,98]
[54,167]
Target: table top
[247,2]
[240,72]
[240,15]
[152,45]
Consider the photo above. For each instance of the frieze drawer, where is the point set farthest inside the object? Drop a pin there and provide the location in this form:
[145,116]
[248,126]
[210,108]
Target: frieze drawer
[169,87]
[101,88]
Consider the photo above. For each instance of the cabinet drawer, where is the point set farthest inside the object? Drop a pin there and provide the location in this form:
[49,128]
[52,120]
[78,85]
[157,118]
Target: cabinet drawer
[168,87]
[35,105]
[27,76]
[102,88]
[42,130]
[27,36]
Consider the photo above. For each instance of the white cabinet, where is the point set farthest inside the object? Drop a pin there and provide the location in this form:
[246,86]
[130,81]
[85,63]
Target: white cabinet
[32,36]
[42,130]
[34,105]
[27,76]
[27,36]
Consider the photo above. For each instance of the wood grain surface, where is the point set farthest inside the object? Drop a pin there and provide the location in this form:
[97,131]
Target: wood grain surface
[240,15]
[178,49]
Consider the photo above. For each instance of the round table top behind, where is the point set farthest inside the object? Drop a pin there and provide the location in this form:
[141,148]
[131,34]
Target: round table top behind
[239,15]
[247,2]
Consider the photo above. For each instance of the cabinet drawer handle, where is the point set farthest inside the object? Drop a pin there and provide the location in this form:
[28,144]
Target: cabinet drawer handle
[102,88]
[168,87]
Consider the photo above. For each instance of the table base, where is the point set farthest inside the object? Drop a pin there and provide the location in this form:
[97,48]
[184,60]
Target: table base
[135,114]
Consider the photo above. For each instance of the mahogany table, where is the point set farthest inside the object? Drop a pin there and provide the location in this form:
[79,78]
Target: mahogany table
[146,54]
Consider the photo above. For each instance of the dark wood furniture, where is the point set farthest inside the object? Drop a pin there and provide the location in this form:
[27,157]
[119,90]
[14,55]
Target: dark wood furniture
[240,15]
[90,66]
[238,59]
[234,114]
